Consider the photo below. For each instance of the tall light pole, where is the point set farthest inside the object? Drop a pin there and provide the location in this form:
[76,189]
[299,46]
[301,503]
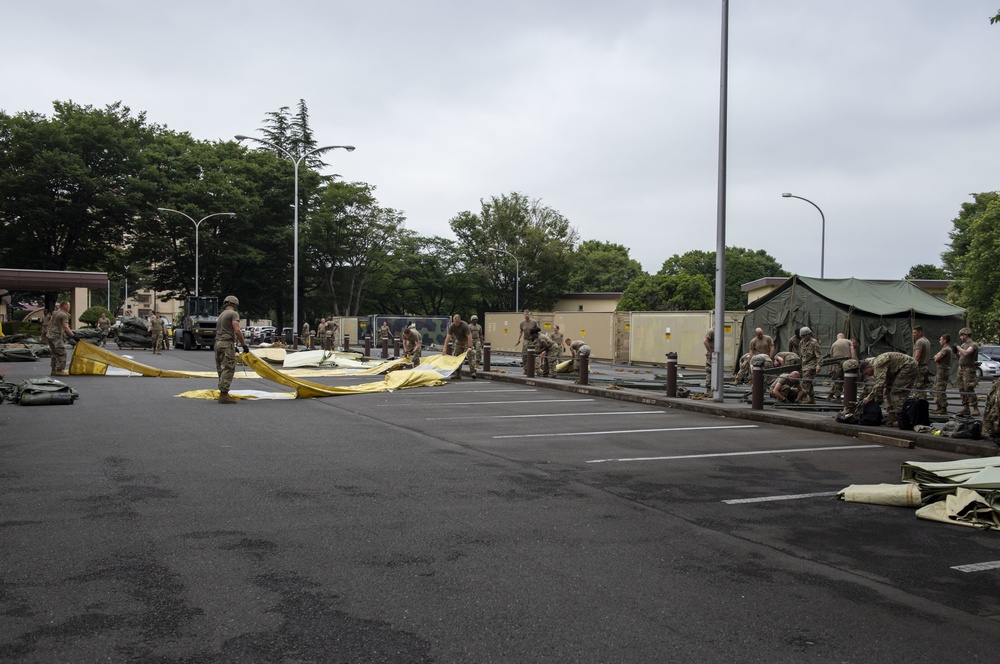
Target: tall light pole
[196,225]
[517,278]
[822,246]
[125,306]
[295,233]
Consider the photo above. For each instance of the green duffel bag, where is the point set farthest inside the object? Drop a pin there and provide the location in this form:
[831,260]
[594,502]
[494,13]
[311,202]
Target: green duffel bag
[44,391]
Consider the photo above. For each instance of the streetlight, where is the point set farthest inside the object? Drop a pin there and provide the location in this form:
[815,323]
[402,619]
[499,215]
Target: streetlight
[822,246]
[125,308]
[296,162]
[517,278]
[196,225]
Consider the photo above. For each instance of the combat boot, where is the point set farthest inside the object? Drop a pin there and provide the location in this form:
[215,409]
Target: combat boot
[975,411]
[225,398]
[939,411]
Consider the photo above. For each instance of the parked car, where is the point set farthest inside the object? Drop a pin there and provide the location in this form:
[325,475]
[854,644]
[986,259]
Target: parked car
[987,368]
[992,352]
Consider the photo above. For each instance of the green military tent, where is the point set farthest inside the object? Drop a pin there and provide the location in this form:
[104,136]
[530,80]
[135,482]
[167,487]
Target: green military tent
[879,314]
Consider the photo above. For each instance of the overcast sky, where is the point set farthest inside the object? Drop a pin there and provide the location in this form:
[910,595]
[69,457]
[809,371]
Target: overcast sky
[885,113]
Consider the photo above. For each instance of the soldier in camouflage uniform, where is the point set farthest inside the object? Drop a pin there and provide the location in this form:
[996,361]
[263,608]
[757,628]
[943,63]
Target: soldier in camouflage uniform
[526,326]
[991,415]
[461,335]
[412,344]
[968,354]
[942,371]
[545,348]
[787,358]
[557,338]
[227,335]
[812,360]
[478,337]
[709,343]
[786,387]
[922,354]
[841,350]
[895,372]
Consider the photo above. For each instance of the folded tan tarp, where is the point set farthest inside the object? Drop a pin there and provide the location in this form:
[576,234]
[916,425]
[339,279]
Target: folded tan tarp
[965,508]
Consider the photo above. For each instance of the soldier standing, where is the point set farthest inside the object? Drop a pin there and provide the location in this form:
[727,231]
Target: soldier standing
[942,371]
[156,331]
[761,343]
[968,353]
[55,334]
[793,344]
[840,349]
[557,338]
[105,326]
[227,334]
[524,337]
[305,334]
[709,342]
[333,332]
[812,361]
[478,337]
[461,334]
[921,353]
[321,333]
[384,333]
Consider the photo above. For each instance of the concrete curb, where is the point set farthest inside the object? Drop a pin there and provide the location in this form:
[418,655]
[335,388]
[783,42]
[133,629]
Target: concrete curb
[977,448]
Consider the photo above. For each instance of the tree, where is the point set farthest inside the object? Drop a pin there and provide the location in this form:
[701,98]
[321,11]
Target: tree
[348,238]
[742,266]
[971,260]
[995,19]
[602,267]
[70,189]
[292,132]
[926,271]
[541,239]
[662,292]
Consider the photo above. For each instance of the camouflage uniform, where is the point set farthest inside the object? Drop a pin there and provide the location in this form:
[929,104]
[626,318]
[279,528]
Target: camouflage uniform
[762,360]
[105,325]
[545,344]
[812,356]
[942,371]
[156,332]
[579,349]
[786,386]
[841,350]
[967,378]
[788,358]
[709,350]
[56,336]
[461,336]
[409,338]
[924,346]
[896,372]
[527,342]
[558,339]
[794,345]
[991,414]
[225,349]
[305,335]
[477,339]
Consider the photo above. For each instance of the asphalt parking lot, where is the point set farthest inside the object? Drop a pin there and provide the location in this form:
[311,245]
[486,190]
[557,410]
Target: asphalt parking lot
[480,521]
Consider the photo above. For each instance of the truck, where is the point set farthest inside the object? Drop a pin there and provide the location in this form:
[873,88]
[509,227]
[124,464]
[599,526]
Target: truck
[201,315]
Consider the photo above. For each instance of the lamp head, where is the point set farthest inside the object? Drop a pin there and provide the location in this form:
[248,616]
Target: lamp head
[349,148]
[241,137]
[786,195]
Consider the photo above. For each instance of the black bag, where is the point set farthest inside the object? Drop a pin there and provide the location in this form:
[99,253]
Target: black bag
[914,412]
[962,426]
[871,415]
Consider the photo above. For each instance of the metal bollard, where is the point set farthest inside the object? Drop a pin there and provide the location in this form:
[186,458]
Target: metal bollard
[584,369]
[385,348]
[529,367]
[757,388]
[368,346]
[850,387]
[347,343]
[295,342]
[486,356]
[672,375]
[395,347]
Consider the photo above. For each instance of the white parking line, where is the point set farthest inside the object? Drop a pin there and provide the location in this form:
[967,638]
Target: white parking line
[766,499]
[491,403]
[726,454]
[978,567]
[505,417]
[601,433]
[512,391]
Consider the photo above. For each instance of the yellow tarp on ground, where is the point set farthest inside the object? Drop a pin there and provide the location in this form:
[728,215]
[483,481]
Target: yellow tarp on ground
[430,372]
[89,360]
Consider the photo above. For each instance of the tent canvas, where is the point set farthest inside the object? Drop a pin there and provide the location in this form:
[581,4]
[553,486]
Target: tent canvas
[880,315]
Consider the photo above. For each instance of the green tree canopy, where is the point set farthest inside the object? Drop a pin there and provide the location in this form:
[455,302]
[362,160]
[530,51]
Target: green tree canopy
[926,271]
[667,292]
[539,237]
[972,261]
[742,266]
[602,267]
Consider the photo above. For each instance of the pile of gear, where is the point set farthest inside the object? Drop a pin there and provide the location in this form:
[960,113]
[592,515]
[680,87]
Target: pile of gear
[133,333]
[22,348]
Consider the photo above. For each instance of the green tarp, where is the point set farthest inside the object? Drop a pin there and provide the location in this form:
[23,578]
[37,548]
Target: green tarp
[880,315]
